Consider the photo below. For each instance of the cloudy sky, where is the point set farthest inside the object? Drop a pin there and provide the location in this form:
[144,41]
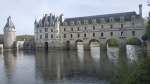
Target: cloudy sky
[24,12]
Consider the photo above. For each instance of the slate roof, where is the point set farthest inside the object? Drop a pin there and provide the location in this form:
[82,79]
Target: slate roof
[116,16]
[9,23]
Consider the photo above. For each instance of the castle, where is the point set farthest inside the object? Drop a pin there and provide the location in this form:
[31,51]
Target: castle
[58,32]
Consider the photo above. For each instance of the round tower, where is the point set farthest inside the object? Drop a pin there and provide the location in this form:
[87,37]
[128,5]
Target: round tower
[9,34]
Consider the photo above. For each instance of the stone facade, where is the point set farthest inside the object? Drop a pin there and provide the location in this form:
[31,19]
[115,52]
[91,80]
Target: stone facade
[1,47]
[57,32]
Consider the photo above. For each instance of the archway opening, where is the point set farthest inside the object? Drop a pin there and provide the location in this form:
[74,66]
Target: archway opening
[27,45]
[112,43]
[79,44]
[94,45]
[133,41]
[46,45]
[68,45]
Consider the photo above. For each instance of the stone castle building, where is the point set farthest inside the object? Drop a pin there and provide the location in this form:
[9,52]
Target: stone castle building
[10,38]
[58,32]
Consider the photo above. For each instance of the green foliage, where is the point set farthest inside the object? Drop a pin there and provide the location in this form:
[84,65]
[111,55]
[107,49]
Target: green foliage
[134,41]
[25,37]
[145,38]
[112,42]
[1,39]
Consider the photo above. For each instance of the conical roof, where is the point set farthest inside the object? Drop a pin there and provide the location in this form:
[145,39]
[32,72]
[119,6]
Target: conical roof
[9,23]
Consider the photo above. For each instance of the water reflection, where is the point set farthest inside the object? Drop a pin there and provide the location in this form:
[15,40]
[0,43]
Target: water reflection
[60,66]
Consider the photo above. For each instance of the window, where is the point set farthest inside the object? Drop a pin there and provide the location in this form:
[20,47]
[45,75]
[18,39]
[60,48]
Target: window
[133,24]
[85,27]
[133,33]
[71,35]
[72,23]
[51,35]
[132,17]
[102,26]
[46,29]
[71,28]
[40,31]
[111,19]
[51,30]
[93,34]
[78,28]
[111,26]
[85,35]
[102,20]
[122,33]
[121,25]
[85,21]
[102,34]
[78,22]
[46,35]
[78,35]
[64,29]
[111,33]
[64,35]
[93,27]
[121,18]
[93,21]
[40,36]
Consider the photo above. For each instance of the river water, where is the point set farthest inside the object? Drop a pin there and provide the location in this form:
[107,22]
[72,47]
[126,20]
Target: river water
[63,66]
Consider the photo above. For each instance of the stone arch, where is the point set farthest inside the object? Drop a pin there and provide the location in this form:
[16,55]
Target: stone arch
[46,45]
[94,42]
[27,45]
[112,42]
[133,41]
[78,40]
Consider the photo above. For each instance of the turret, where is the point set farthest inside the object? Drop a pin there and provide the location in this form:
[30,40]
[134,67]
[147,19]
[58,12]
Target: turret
[140,10]
[9,34]
[57,22]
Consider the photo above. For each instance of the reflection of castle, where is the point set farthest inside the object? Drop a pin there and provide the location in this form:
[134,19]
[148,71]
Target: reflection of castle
[10,38]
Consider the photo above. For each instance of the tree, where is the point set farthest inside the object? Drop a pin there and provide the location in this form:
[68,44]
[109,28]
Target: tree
[148,28]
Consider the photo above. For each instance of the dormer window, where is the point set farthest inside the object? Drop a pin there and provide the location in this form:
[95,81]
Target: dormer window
[85,22]
[111,19]
[121,18]
[78,22]
[72,22]
[94,21]
[132,17]
[102,20]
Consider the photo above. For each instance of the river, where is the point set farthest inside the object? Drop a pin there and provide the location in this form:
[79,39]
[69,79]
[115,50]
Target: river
[63,66]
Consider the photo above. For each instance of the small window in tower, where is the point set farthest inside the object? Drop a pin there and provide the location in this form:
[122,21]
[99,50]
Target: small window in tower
[51,35]
[111,33]
[71,28]
[122,26]
[46,35]
[46,29]
[84,34]
[111,26]
[102,34]
[64,29]
[93,34]
[40,36]
[51,30]
[78,28]
[133,24]
[78,35]
[71,35]
[102,26]
[93,27]
[64,35]
[40,31]
[122,33]
[133,33]
[85,27]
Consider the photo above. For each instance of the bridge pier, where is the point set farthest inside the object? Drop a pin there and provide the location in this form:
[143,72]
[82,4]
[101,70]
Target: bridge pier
[86,46]
[103,46]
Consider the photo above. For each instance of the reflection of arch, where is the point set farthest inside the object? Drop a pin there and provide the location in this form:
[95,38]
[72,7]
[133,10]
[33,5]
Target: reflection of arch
[112,42]
[94,42]
[46,45]
[134,41]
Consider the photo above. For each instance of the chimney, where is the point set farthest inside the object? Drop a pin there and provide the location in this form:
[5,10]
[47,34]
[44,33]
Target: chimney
[140,10]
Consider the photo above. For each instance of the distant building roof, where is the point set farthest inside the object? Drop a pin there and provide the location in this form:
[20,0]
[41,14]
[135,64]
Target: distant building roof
[9,23]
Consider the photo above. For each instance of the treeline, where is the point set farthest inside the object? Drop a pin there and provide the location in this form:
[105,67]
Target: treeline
[18,38]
